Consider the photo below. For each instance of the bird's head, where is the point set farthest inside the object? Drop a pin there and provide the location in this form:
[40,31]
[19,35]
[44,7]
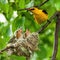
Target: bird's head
[34,10]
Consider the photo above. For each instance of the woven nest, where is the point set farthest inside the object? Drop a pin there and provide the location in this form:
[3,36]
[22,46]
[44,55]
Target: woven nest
[22,44]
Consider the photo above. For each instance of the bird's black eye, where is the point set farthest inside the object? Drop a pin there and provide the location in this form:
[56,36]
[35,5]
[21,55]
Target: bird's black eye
[45,11]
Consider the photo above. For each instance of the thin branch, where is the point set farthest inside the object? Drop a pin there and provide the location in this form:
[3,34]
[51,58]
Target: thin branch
[56,37]
[35,6]
[6,49]
[42,3]
[57,14]
[47,23]
[3,50]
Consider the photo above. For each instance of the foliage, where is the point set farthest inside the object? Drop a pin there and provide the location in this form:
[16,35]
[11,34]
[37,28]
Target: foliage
[25,20]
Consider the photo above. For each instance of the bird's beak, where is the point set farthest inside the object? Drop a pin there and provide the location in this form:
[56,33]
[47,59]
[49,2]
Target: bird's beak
[28,9]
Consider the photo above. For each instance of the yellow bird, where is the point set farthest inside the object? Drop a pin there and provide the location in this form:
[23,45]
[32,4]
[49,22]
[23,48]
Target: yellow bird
[39,15]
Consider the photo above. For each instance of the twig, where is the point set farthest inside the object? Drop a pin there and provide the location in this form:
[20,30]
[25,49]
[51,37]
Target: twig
[56,37]
[57,14]
[6,49]
[35,6]
[42,3]
[47,23]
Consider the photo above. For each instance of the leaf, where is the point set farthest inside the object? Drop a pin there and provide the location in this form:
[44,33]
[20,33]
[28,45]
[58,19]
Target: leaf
[30,4]
[3,1]
[56,4]
[17,23]
[13,57]
[22,4]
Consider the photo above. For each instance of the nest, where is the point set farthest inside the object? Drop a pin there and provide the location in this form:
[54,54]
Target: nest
[22,44]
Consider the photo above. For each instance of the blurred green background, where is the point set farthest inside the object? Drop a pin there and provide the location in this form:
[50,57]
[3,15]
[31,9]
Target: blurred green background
[12,19]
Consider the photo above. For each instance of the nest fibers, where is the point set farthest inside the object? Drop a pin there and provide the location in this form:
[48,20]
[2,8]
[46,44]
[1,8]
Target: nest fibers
[22,44]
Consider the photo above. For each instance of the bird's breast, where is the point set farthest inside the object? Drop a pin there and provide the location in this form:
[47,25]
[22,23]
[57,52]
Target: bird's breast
[40,17]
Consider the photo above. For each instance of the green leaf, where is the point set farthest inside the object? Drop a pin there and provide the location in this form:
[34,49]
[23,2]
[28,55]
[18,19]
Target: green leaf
[56,4]
[14,57]
[30,4]
[22,4]
[17,23]
[3,1]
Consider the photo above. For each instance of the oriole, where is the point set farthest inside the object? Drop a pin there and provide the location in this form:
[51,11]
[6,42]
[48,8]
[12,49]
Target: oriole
[39,15]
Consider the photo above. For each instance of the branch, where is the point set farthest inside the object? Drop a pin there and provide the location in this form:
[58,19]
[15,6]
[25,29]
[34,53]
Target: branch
[35,6]
[57,14]
[42,3]
[56,37]
[47,23]
[6,49]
